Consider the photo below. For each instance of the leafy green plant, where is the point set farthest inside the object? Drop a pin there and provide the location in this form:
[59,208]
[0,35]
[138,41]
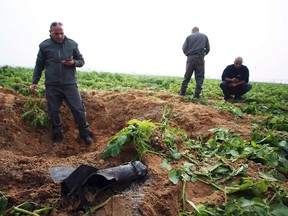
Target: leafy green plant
[208,174]
[269,149]
[170,133]
[220,171]
[222,105]
[229,145]
[184,174]
[137,132]
[3,203]
[279,123]
[256,206]
[36,113]
[26,208]
[29,208]
[249,184]
[255,109]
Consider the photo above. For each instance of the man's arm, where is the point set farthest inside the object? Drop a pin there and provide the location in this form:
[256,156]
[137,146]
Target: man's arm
[225,74]
[78,58]
[246,74]
[39,67]
[184,47]
[207,46]
[37,73]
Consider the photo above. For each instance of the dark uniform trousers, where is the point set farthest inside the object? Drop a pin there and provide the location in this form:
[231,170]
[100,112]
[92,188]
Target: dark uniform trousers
[195,63]
[55,94]
[238,91]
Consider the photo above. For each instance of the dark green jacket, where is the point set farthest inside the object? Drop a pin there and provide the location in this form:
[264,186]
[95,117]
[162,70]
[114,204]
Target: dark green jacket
[49,58]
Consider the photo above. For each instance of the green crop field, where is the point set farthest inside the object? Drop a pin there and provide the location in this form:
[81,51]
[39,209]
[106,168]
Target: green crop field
[268,144]
[269,99]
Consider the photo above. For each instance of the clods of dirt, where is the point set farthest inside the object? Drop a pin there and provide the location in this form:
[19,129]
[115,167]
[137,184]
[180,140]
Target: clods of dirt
[27,153]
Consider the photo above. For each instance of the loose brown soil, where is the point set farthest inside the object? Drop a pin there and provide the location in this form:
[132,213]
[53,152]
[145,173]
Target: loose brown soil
[27,153]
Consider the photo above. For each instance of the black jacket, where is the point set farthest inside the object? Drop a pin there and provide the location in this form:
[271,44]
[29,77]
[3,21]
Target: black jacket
[241,73]
[49,58]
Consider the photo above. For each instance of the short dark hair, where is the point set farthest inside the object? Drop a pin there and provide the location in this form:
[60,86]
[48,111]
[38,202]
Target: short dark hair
[195,29]
[55,24]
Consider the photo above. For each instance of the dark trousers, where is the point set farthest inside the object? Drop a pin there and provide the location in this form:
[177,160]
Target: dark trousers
[55,94]
[238,91]
[195,63]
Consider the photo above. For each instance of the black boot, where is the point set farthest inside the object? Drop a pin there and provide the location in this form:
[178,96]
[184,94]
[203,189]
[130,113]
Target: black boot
[227,97]
[88,139]
[57,138]
[85,134]
[197,96]
[238,97]
[182,92]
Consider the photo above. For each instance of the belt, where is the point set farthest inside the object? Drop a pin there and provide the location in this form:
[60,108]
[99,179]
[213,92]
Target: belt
[194,54]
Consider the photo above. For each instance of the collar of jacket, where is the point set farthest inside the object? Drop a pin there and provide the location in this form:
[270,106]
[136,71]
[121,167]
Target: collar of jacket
[65,39]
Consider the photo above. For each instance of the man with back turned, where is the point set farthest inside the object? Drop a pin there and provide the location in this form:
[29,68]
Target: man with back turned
[195,47]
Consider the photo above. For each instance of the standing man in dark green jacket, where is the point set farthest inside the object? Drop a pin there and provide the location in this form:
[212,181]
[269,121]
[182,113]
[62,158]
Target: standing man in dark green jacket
[195,47]
[59,56]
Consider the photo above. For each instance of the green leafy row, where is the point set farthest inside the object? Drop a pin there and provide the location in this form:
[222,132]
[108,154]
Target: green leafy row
[218,161]
[264,98]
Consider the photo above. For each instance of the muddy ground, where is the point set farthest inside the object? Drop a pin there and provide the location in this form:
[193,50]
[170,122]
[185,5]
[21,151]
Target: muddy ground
[26,153]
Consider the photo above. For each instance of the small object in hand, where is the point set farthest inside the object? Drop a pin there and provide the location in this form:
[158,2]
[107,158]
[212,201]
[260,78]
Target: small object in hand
[33,88]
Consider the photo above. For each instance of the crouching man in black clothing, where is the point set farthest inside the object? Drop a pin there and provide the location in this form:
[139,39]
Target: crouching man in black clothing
[60,56]
[235,80]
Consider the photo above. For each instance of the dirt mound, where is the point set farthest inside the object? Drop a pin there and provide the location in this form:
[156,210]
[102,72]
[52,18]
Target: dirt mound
[27,153]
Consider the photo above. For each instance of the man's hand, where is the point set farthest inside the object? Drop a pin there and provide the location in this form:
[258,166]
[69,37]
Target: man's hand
[235,80]
[232,80]
[33,88]
[69,62]
[233,84]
